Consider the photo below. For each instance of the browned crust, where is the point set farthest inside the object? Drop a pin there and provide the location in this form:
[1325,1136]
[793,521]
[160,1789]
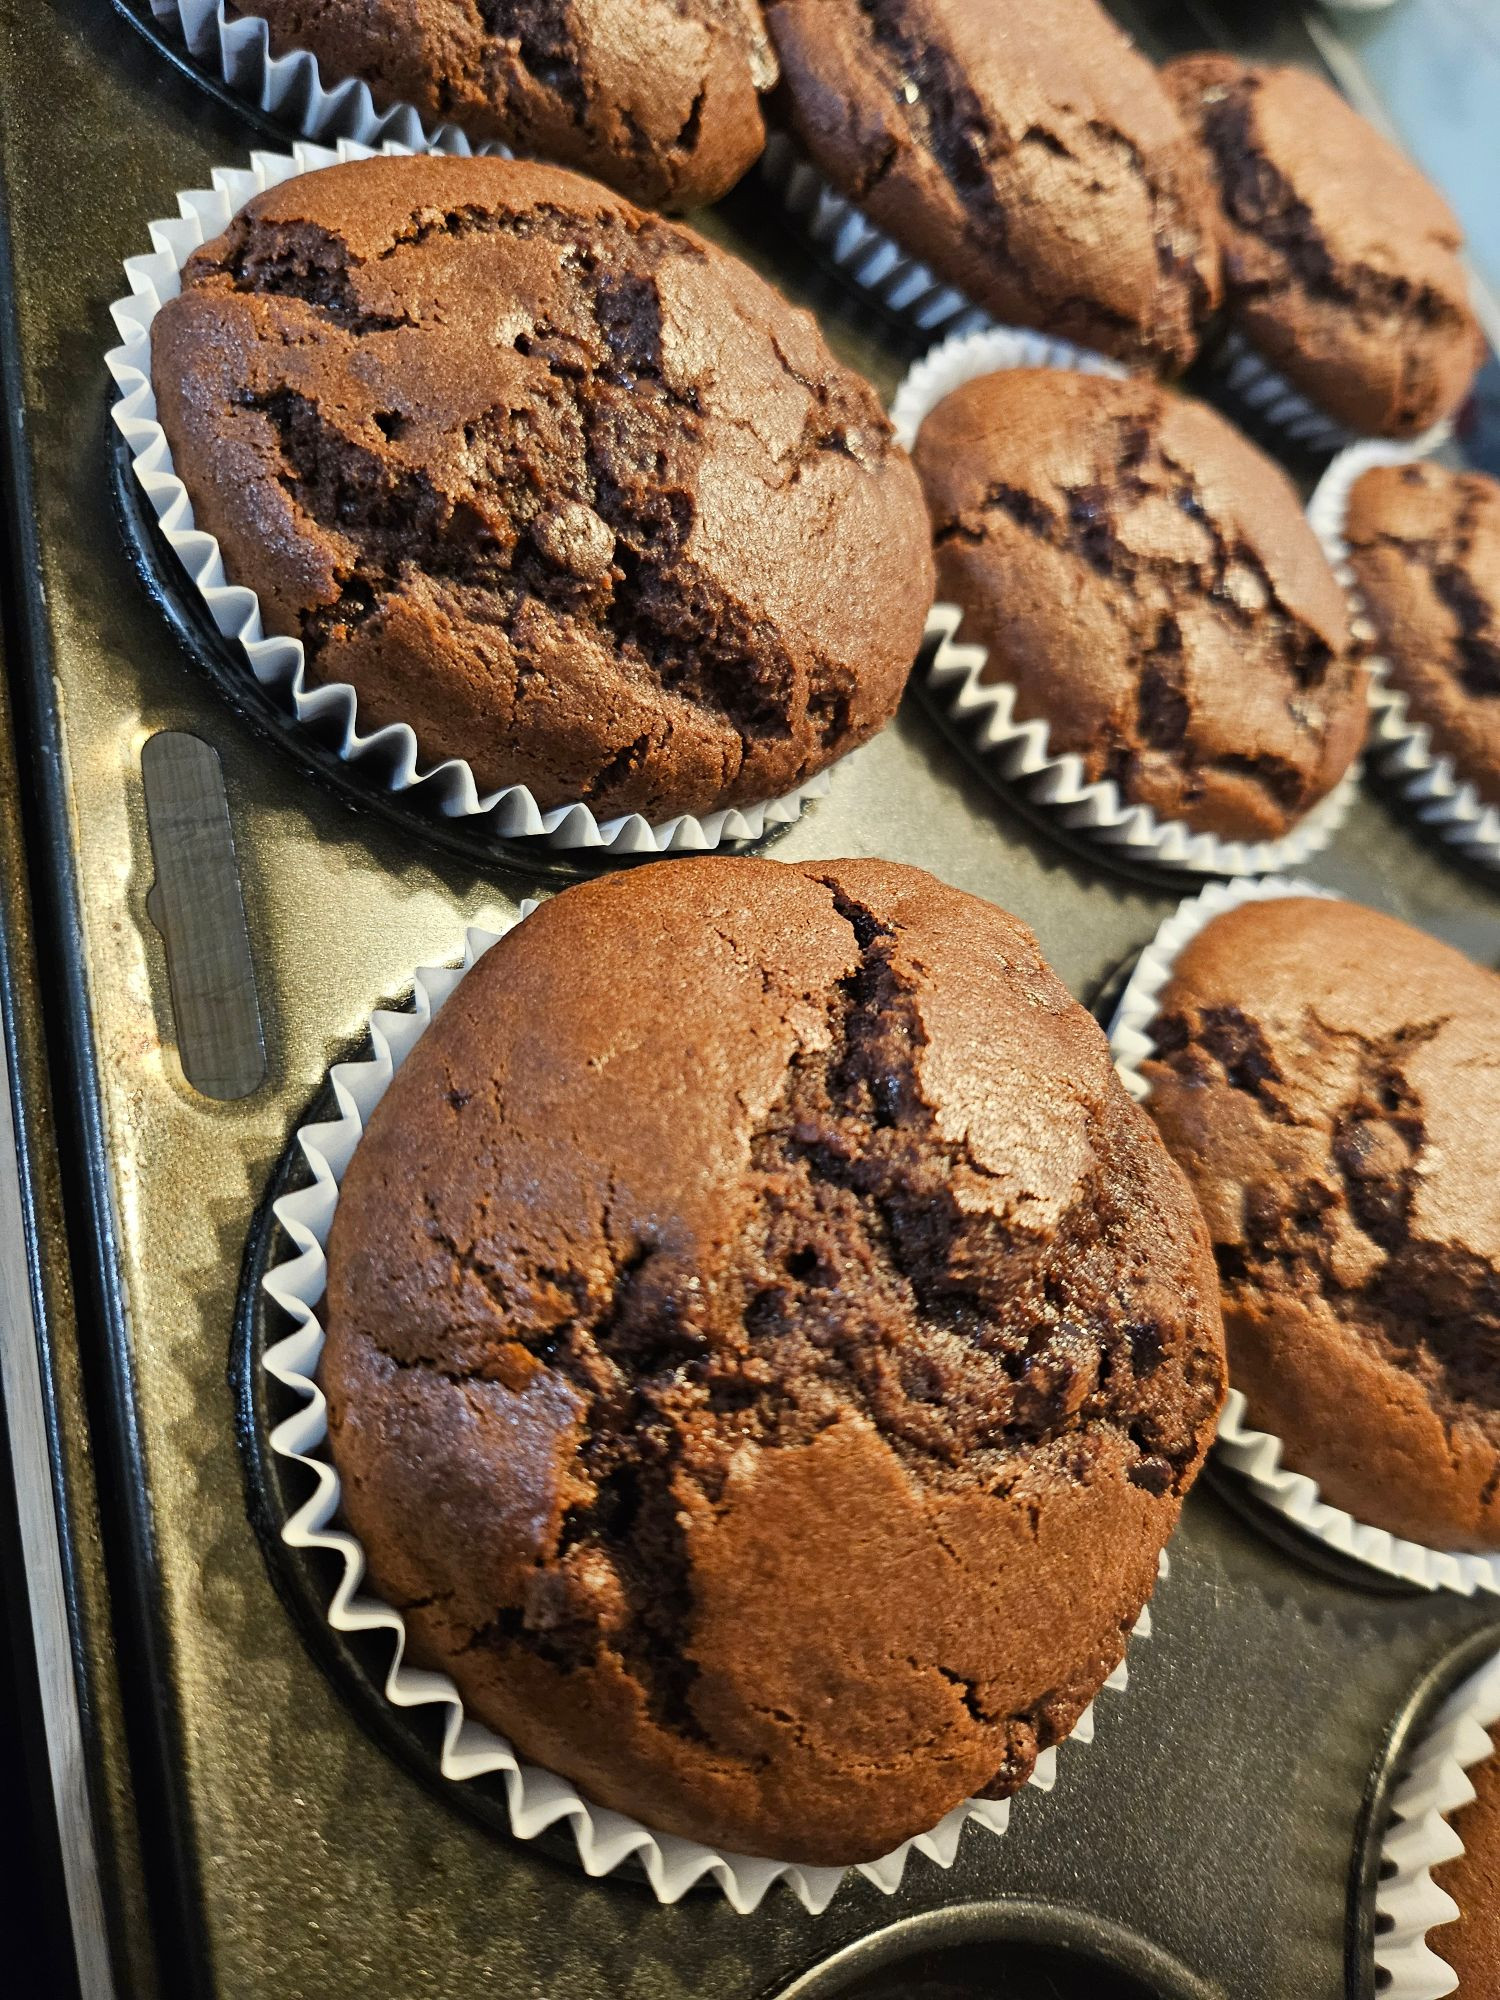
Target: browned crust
[1330,1080]
[574,494]
[1147,581]
[767,1350]
[1341,260]
[1028,154]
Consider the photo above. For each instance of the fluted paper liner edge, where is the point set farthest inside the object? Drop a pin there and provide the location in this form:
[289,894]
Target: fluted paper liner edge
[391,753]
[537,1798]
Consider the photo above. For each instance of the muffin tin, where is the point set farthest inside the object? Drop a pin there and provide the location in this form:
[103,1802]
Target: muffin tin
[253,1810]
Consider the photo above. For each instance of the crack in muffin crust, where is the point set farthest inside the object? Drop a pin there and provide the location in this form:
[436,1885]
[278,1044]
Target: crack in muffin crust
[1360,298]
[852,1280]
[658,98]
[1152,591]
[931,92]
[1033,160]
[519,487]
[989,1347]
[1331,1134]
[1435,1310]
[1424,545]
[1263,201]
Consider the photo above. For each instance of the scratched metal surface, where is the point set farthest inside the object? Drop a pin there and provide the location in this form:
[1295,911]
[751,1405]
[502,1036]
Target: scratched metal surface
[1214,1816]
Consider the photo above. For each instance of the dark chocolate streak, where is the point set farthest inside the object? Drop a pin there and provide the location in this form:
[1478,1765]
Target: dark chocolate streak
[1474,655]
[1085,528]
[1430,1306]
[860,1286]
[936,102]
[1262,201]
[625,448]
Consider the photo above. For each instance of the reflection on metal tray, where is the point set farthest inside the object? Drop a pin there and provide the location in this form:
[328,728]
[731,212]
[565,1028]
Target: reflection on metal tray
[283,1848]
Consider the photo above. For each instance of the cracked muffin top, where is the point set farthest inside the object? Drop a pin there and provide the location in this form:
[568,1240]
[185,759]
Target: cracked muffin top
[1330,1080]
[767,1349]
[1424,545]
[1341,260]
[1026,154]
[571,492]
[660,98]
[1148,582]
[1471,1943]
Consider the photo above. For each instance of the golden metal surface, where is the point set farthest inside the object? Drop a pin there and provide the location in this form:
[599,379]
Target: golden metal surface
[324,1870]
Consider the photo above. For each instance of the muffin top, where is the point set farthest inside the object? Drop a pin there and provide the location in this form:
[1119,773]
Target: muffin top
[1027,154]
[1148,582]
[1471,1945]
[657,97]
[570,491]
[1424,545]
[1330,1080]
[767,1349]
[1341,260]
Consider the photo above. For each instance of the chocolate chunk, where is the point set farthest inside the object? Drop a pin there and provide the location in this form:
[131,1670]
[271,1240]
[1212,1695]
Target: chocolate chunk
[1424,545]
[1330,1079]
[1028,154]
[656,97]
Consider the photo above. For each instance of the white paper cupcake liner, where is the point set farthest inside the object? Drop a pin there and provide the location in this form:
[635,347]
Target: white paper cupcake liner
[1256,1454]
[1251,379]
[1421,1836]
[1262,389]
[985,350]
[536,1798]
[1402,748]
[236,48]
[389,756]
[1016,753]
[860,252]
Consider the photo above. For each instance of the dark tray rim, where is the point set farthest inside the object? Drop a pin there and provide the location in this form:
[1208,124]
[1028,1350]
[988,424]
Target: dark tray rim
[138,13]
[138,1643]
[1094,1941]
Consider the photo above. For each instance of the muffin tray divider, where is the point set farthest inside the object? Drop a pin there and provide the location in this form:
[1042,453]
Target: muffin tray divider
[1218,1817]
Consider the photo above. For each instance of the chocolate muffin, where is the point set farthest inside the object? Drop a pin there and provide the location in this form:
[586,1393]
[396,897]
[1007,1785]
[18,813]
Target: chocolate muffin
[657,97]
[1330,1080]
[1027,154]
[570,491]
[1471,1944]
[1341,260]
[1424,545]
[767,1350]
[1149,583]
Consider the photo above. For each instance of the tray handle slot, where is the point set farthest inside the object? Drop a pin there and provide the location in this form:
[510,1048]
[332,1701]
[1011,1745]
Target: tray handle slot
[197,905]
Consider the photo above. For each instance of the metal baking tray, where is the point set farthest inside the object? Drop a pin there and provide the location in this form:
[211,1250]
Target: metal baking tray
[256,1821]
